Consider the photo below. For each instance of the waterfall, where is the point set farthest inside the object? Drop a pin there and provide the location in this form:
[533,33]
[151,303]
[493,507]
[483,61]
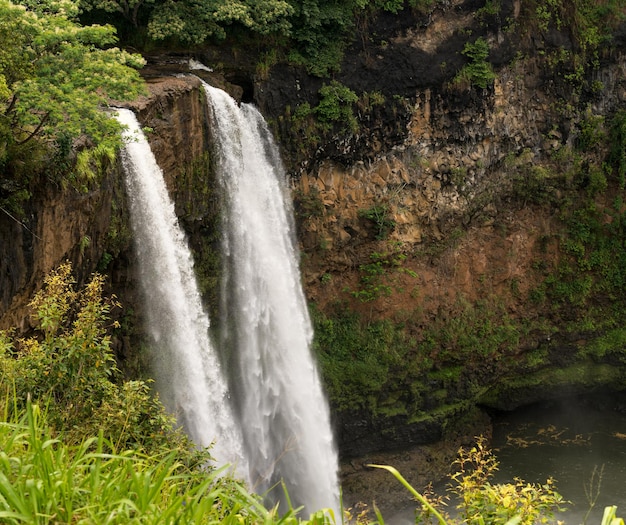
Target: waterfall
[186,367]
[278,429]
[267,331]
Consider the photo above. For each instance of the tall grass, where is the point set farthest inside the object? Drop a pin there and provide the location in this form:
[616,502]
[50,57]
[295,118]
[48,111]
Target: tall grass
[44,480]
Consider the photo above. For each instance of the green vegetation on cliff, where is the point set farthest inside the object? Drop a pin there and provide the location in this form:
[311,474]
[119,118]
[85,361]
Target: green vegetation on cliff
[56,77]
[556,323]
[391,368]
[313,33]
[53,85]
[79,444]
[480,350]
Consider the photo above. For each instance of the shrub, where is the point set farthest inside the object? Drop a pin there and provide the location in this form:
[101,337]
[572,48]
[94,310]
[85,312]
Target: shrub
[380,216]
[308,205]
[478,72]
[595,267]
[335,106]
[379,277]
[482,502]
[69,368]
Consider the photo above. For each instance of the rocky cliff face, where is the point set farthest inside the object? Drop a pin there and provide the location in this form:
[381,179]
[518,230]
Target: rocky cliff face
[90,228]
[443,215]
[450,216]
[470,196]
[57,225]
[458,167]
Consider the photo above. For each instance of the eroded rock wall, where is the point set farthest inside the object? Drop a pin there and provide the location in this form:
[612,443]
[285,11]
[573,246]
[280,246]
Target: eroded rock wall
[90,228]
[456,160]
[58,225]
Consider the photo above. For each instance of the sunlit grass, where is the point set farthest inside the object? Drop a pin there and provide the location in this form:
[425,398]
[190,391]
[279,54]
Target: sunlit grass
[44,480]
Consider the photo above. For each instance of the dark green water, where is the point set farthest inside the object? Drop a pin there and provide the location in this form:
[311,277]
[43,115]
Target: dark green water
[580,442]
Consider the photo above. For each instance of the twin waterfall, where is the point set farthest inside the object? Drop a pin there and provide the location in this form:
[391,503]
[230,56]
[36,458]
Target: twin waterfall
[255,394]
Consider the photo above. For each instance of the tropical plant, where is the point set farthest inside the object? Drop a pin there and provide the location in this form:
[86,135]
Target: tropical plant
[336,106]
[69,368]
[55,79]
[484,503]
[380,216]
[45,480]
[195,22]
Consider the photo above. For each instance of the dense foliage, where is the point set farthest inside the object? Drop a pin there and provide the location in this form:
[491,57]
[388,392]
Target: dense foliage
[68,367]
[56,76]
[321,29]
[313,33]
[43,479]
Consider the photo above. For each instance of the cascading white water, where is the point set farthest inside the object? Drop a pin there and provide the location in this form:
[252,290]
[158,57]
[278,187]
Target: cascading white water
[284,415]
[284,425]
[186,367]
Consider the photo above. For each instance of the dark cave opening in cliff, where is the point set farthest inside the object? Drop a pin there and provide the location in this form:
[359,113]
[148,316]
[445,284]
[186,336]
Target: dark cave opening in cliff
[246,84]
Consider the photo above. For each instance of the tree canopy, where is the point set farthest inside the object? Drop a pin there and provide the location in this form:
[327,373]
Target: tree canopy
[193,21]
[315,31]
[56,76]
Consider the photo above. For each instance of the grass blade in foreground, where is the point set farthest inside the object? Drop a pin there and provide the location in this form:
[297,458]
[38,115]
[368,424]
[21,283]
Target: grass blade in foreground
[417,495]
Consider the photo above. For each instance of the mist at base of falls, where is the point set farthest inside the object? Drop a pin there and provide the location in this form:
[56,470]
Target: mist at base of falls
[568,439]
[578,441]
